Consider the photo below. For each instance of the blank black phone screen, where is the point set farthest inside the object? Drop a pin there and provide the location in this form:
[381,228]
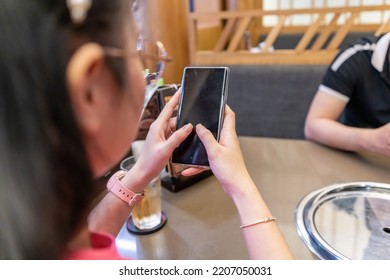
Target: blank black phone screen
[202,101]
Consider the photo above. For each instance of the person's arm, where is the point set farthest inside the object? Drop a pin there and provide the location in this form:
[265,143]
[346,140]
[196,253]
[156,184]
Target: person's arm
[263,240]
[111,212]
[321,126]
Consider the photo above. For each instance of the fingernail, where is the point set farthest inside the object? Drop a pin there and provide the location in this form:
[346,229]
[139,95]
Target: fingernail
[199,127]
[187,127]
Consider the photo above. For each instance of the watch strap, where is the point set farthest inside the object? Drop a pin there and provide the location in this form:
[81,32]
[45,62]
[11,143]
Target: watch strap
[115,186]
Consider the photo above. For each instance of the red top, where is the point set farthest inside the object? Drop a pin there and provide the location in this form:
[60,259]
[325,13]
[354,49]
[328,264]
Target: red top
[102,248]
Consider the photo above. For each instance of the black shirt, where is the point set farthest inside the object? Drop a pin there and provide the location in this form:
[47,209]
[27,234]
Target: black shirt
[359,75]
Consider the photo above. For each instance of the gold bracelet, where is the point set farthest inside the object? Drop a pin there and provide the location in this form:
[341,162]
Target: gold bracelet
[261,221]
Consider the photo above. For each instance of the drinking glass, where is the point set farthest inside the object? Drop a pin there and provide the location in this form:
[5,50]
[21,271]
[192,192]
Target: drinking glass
[147,216]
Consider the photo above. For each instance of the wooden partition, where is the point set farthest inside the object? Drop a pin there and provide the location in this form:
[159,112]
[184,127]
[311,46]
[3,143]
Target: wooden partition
[318,44]
[165,21]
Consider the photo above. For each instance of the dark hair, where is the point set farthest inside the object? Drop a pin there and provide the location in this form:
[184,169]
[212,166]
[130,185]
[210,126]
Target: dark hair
[46,184]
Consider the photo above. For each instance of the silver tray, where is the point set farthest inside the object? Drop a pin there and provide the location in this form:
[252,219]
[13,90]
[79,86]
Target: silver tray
[346,221]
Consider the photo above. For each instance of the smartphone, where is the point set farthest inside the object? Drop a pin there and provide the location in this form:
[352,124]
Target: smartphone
[203,99]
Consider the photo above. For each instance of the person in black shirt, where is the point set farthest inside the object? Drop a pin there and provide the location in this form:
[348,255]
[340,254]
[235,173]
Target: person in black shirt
[351,109]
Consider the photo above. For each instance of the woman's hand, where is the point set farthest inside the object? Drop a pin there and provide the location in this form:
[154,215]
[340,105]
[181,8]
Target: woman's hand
[161,140]
[225,157]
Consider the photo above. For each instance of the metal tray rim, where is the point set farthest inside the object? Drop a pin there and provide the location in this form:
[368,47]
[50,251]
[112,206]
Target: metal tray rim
[304,213]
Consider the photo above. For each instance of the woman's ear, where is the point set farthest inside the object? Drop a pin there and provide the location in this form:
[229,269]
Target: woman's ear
[84,73]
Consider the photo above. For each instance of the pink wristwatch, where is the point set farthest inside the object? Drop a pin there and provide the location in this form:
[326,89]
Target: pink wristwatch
[115,186]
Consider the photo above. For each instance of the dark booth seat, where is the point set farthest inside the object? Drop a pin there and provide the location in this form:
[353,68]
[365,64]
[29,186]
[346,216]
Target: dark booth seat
[273,100]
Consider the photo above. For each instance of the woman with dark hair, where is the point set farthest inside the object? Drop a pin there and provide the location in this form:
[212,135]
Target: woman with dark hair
[71,94]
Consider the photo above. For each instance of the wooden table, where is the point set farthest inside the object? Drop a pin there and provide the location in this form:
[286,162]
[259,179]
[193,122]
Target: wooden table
[203,222]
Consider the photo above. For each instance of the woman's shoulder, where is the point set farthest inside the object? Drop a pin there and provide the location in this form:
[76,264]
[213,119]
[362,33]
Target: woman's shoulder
[103,247]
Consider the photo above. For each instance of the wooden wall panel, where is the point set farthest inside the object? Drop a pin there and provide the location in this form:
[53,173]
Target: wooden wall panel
[166,21]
